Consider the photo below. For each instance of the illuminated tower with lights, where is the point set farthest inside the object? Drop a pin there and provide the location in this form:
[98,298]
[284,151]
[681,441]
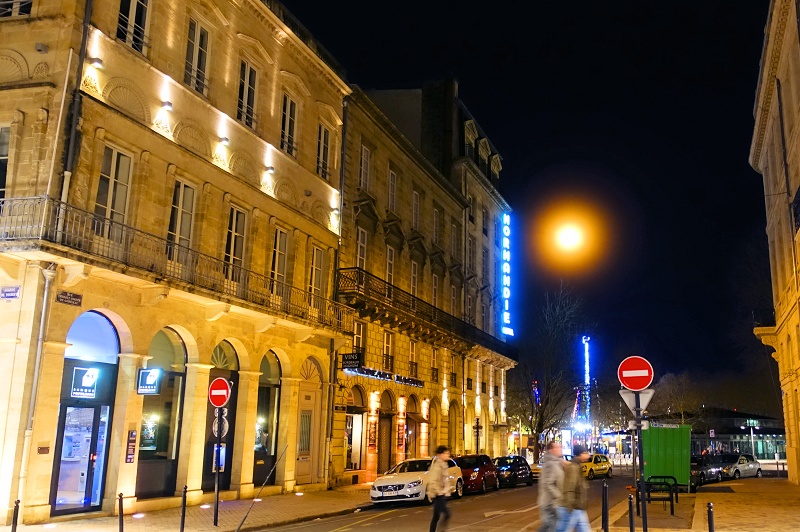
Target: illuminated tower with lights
[581,414]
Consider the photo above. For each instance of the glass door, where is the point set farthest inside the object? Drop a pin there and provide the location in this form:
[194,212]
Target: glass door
[79,486]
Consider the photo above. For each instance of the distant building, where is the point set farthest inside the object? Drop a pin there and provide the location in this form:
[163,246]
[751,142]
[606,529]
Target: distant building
[775,153]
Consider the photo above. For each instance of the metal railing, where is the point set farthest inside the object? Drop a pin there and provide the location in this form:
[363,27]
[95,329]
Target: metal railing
[388,363]
[26,222]
[469,383]
[435,375]
[358,281]
[412,369]
[453,379]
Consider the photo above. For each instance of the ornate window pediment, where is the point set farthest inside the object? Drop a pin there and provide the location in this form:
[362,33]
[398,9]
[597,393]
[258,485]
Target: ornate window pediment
[438,264]
[416,245]
[365,213]
[456,273]
[393,232]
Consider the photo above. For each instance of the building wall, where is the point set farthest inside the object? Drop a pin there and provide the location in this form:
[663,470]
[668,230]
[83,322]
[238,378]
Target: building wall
[776,129]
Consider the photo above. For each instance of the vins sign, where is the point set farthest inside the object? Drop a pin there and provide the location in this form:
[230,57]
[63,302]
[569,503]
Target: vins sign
[351,360]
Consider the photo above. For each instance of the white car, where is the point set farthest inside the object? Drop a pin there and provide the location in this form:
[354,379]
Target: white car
[407,481]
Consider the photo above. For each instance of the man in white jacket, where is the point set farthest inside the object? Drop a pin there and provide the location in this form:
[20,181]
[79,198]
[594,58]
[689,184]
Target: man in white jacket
[551,480]
[438,487]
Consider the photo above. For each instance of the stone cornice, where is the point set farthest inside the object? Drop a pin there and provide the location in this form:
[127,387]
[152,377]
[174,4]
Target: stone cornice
[770,61]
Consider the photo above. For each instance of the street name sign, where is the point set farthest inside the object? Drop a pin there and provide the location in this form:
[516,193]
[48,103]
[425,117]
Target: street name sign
[635,373]
[219,392]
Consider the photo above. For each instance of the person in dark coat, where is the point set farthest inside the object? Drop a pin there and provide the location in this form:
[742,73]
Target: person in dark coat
[575,494]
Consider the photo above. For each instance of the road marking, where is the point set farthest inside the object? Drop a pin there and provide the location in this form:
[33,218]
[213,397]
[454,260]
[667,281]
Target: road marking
[505,512]
[636,373]
[349,526]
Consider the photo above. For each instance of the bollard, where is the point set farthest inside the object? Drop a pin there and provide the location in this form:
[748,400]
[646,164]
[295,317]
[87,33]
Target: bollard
[711,517]
[630,512]
[183,508]
[15,518]
[605,505]
[121,518]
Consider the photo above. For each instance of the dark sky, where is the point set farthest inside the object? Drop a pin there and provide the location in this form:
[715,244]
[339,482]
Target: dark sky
[643,109]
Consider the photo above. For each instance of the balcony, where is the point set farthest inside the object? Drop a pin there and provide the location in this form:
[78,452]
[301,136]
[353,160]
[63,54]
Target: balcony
[764,318]
[388,363]
[388,304]
[412,369]
[453,380]
[435,375]
[43,224]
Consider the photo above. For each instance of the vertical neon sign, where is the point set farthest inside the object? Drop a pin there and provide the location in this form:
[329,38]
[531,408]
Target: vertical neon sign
[506,279]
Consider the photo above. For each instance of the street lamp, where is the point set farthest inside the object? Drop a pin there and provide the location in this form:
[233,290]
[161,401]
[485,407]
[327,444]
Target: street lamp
[752,439]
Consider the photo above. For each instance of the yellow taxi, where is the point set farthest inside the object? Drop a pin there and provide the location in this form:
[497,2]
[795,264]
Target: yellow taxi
[598,465]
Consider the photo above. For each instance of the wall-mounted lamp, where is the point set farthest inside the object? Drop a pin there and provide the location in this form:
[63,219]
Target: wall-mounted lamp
[224,141]
[270,169]
[96,62]
[167,106]
[336,212]
[41,47]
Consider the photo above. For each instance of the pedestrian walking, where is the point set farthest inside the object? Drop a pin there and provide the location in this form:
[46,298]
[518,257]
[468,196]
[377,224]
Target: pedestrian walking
[438,488]
[575,494]
[550,486]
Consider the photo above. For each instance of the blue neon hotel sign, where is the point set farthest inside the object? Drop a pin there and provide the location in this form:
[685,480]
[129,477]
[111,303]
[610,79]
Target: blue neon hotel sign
[505,266]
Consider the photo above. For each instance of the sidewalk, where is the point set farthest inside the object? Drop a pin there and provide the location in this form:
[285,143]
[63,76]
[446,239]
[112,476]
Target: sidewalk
[273,510]
[745,505]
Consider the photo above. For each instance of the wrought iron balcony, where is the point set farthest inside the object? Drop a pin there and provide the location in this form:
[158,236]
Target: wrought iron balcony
[435,375]
[46,224]
[412,369]
[363,290]
[453,379]
[469,383]
[388,363]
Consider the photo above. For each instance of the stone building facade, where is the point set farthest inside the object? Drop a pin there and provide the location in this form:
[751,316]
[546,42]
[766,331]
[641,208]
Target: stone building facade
[775,153]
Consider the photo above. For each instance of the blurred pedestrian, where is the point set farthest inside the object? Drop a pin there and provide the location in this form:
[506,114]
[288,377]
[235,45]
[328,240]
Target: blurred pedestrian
[575,496]
[438,488]
[550,486]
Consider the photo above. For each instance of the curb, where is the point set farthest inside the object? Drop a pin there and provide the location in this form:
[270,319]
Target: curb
[302,519]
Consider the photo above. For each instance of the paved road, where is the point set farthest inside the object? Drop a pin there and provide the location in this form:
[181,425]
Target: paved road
[506,510]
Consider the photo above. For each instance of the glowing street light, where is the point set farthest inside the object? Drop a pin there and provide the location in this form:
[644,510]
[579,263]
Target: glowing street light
[569,237]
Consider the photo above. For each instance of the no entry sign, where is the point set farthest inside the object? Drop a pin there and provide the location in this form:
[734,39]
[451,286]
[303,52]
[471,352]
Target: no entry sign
[219,392]
[635,373]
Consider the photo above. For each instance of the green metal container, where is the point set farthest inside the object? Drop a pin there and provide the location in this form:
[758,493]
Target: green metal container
[667,451]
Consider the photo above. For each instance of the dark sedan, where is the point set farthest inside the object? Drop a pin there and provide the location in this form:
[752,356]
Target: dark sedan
[511,470]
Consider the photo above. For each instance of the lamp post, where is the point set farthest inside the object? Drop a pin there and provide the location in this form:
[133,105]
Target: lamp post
[752,439]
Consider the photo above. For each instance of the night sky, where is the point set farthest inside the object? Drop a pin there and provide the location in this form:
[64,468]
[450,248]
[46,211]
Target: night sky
[642,111]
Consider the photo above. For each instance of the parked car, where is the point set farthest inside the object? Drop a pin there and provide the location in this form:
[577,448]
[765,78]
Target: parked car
[703,469]
[478,472]
[598,464]
[536,469]
[511,470]
[738,465]
[407,481]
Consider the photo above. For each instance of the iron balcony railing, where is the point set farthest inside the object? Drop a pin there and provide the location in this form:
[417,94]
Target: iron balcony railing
[412,369]
[435,375]
[469,383]
[453,380]
[388,362]
[27,222]
[358,281]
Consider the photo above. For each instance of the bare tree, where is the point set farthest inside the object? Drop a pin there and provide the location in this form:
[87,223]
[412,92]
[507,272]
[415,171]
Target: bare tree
[676,396]
[542,386]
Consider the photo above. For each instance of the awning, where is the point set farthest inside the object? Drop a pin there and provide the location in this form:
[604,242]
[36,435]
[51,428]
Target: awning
[352,409]
[413,416]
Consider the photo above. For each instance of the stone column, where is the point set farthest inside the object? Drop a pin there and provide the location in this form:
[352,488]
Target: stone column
[190,463]
[245,434]
[127,418]
[287,433]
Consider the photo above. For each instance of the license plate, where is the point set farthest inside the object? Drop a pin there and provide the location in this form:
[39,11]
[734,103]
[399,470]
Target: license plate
[389,493]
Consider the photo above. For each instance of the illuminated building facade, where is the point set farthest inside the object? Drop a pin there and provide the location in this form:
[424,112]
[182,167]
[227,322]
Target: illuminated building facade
[421,263]
[775,153]
[178,212]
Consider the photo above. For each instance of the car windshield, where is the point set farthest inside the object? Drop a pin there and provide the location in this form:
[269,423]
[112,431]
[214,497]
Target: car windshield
[411,466]
[726,458]
[467,461]
[502,462]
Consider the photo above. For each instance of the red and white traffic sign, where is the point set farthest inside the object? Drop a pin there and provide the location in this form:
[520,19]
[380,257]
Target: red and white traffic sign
[219,392]
[635,373]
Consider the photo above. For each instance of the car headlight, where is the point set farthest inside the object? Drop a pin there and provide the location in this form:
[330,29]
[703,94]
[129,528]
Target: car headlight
[474,475]
[414,483]
[583,468]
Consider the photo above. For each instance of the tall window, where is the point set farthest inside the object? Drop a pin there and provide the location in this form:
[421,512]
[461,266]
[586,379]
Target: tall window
[323,151]
[363,174]
[470,316]
[279,245]
[194,72]
[436,226]
[453,240]
[392,190]
[485,221]
[111,202]
[415,210]
[388,351]
[390,265]
[181,217]
[13,8]
[412,359]
[471,253]
[315,278]
[359,334]
[435,290]
[485,265]
[471,208]
[132,24]
[414,277]
[288,125]
[246,107]
[361,257]
[484,317]
[234,244]
[4,141]
[453,300]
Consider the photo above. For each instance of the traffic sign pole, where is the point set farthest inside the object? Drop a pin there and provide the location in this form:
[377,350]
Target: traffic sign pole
[642,490]
[219,393]
[217,453]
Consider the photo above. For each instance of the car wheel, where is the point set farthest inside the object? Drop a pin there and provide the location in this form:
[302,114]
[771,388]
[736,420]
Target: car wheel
[530,479]
[736,474]
[590,476]
[459,489]
[496,483]
[719,476]
[514,481]
[758,473]
[702,479]
[483,485]
[610,472]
